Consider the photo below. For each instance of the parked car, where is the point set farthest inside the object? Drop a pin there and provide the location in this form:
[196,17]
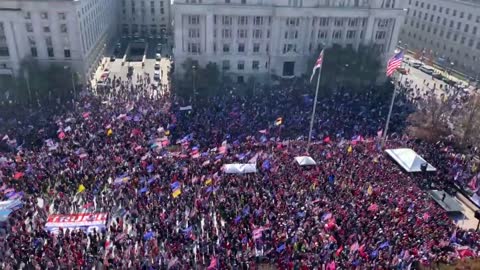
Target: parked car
[158,57]
[427,69]
[157,65]
[156,75]
[112,58]
[416,64]
[437,75]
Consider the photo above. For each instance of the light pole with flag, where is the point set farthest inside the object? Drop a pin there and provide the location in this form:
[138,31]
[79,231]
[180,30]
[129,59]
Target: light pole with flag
[318,65]
[393,64]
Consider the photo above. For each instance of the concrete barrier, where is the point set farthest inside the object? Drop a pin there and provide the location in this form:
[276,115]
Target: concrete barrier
[144,55]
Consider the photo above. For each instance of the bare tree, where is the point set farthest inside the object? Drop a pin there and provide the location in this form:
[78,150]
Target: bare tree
[467,122]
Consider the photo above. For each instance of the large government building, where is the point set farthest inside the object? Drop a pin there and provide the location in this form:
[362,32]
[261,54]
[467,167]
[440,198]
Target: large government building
[279,37]
[69,32]
[445,32]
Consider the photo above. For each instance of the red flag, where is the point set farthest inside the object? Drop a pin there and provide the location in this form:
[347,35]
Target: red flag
[213,263]
[318,64]
[18,175]
[61,136]
[339,251]
[327,140]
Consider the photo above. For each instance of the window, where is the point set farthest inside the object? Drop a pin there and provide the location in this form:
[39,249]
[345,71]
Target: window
[193,19]
[29,27]
[242,33]
[226,65]
[351,34]
[323,21]
[28,16]
[255,65]
[462,14]
[474,31]
[454,13]
[258,20]
[44,15]
[226,48]
[322,34]
[66,53]
[338,22]
[257,33]
[241,47]
[50,52]
[62,16]
[466,28]
[193,47]
[226,33]
[469,16]
[383,22]
[193,33]
[34,52]
[226,20]
[470,43]
[462,40]
[380,35]
[63,28]
[46,29]
[242,20]
[337,34]
[4,51]
[440,9]
[256,47]
[241,65]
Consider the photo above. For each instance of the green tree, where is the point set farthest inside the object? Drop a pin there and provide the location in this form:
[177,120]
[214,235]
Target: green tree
[345,66]
[206,80]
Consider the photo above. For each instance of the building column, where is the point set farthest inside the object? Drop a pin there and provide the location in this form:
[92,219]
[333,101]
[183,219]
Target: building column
[393,39]
[208,34]
[178,33]
[367,39]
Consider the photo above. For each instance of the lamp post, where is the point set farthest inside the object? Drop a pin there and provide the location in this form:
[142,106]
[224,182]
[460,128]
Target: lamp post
[194,77]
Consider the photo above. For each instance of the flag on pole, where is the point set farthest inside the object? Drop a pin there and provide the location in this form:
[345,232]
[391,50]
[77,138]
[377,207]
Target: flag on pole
[394,63]
[318,65]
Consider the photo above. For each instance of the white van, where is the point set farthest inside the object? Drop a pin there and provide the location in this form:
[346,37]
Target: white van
[427,69]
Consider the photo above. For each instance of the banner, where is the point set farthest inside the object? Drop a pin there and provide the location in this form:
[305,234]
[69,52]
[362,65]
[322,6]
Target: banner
[86,222]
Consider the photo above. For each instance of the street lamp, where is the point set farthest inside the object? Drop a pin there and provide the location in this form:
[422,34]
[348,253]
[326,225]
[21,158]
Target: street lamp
[73,80]
[194,69]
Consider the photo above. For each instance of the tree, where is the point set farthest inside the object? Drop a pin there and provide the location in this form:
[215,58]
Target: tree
[346,66]
[205,79]
[431,120]
[466,121]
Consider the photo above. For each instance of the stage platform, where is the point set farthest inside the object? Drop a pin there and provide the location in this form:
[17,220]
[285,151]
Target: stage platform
[449,204]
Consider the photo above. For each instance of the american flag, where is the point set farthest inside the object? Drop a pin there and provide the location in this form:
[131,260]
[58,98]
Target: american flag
[318,64]
[394,63]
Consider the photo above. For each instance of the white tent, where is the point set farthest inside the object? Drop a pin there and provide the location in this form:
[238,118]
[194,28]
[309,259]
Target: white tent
[239,168]
[305,161]
[409,159]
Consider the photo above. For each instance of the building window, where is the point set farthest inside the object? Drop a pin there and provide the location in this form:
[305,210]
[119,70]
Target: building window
[242,33]
[226,33]
[44,15]
[241,47]
[258,20]
[28,16]
[380,35]
[241,65]
[63,28]
[194,33]
[34,52]
[4,51]
[50,52]
[226,20]
[337,34]
[193,47]
[193,19]
[256,47]
[255,65]
[66,53]
[226,65]
[257,33]
[62,16]
[46,29]
[226,48]
[29,27]
[351,34]
[323,21]
[242,20]
[338,22]
[322,34]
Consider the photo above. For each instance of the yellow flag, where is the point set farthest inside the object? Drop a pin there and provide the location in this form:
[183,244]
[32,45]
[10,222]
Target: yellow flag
[370,190]
[176,193]
[109,132]
[350,149]
[167,132]
[208,182]
[81,188]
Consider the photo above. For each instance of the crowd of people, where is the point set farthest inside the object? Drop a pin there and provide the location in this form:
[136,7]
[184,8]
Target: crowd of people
[156,166]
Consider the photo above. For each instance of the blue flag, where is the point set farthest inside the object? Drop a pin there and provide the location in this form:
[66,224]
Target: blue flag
[384,245]
[281,248]
[148,235]
[266,165]
[174,185]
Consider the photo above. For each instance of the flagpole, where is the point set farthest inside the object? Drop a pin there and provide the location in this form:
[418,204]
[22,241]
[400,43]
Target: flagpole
[384,139]
[314,109]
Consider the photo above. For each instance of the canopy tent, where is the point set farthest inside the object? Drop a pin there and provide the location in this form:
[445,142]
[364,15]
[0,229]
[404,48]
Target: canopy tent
[409,160]
[239,168]
[305,161]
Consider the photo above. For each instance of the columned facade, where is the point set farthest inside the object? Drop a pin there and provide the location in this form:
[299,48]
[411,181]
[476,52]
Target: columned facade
[258,38]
